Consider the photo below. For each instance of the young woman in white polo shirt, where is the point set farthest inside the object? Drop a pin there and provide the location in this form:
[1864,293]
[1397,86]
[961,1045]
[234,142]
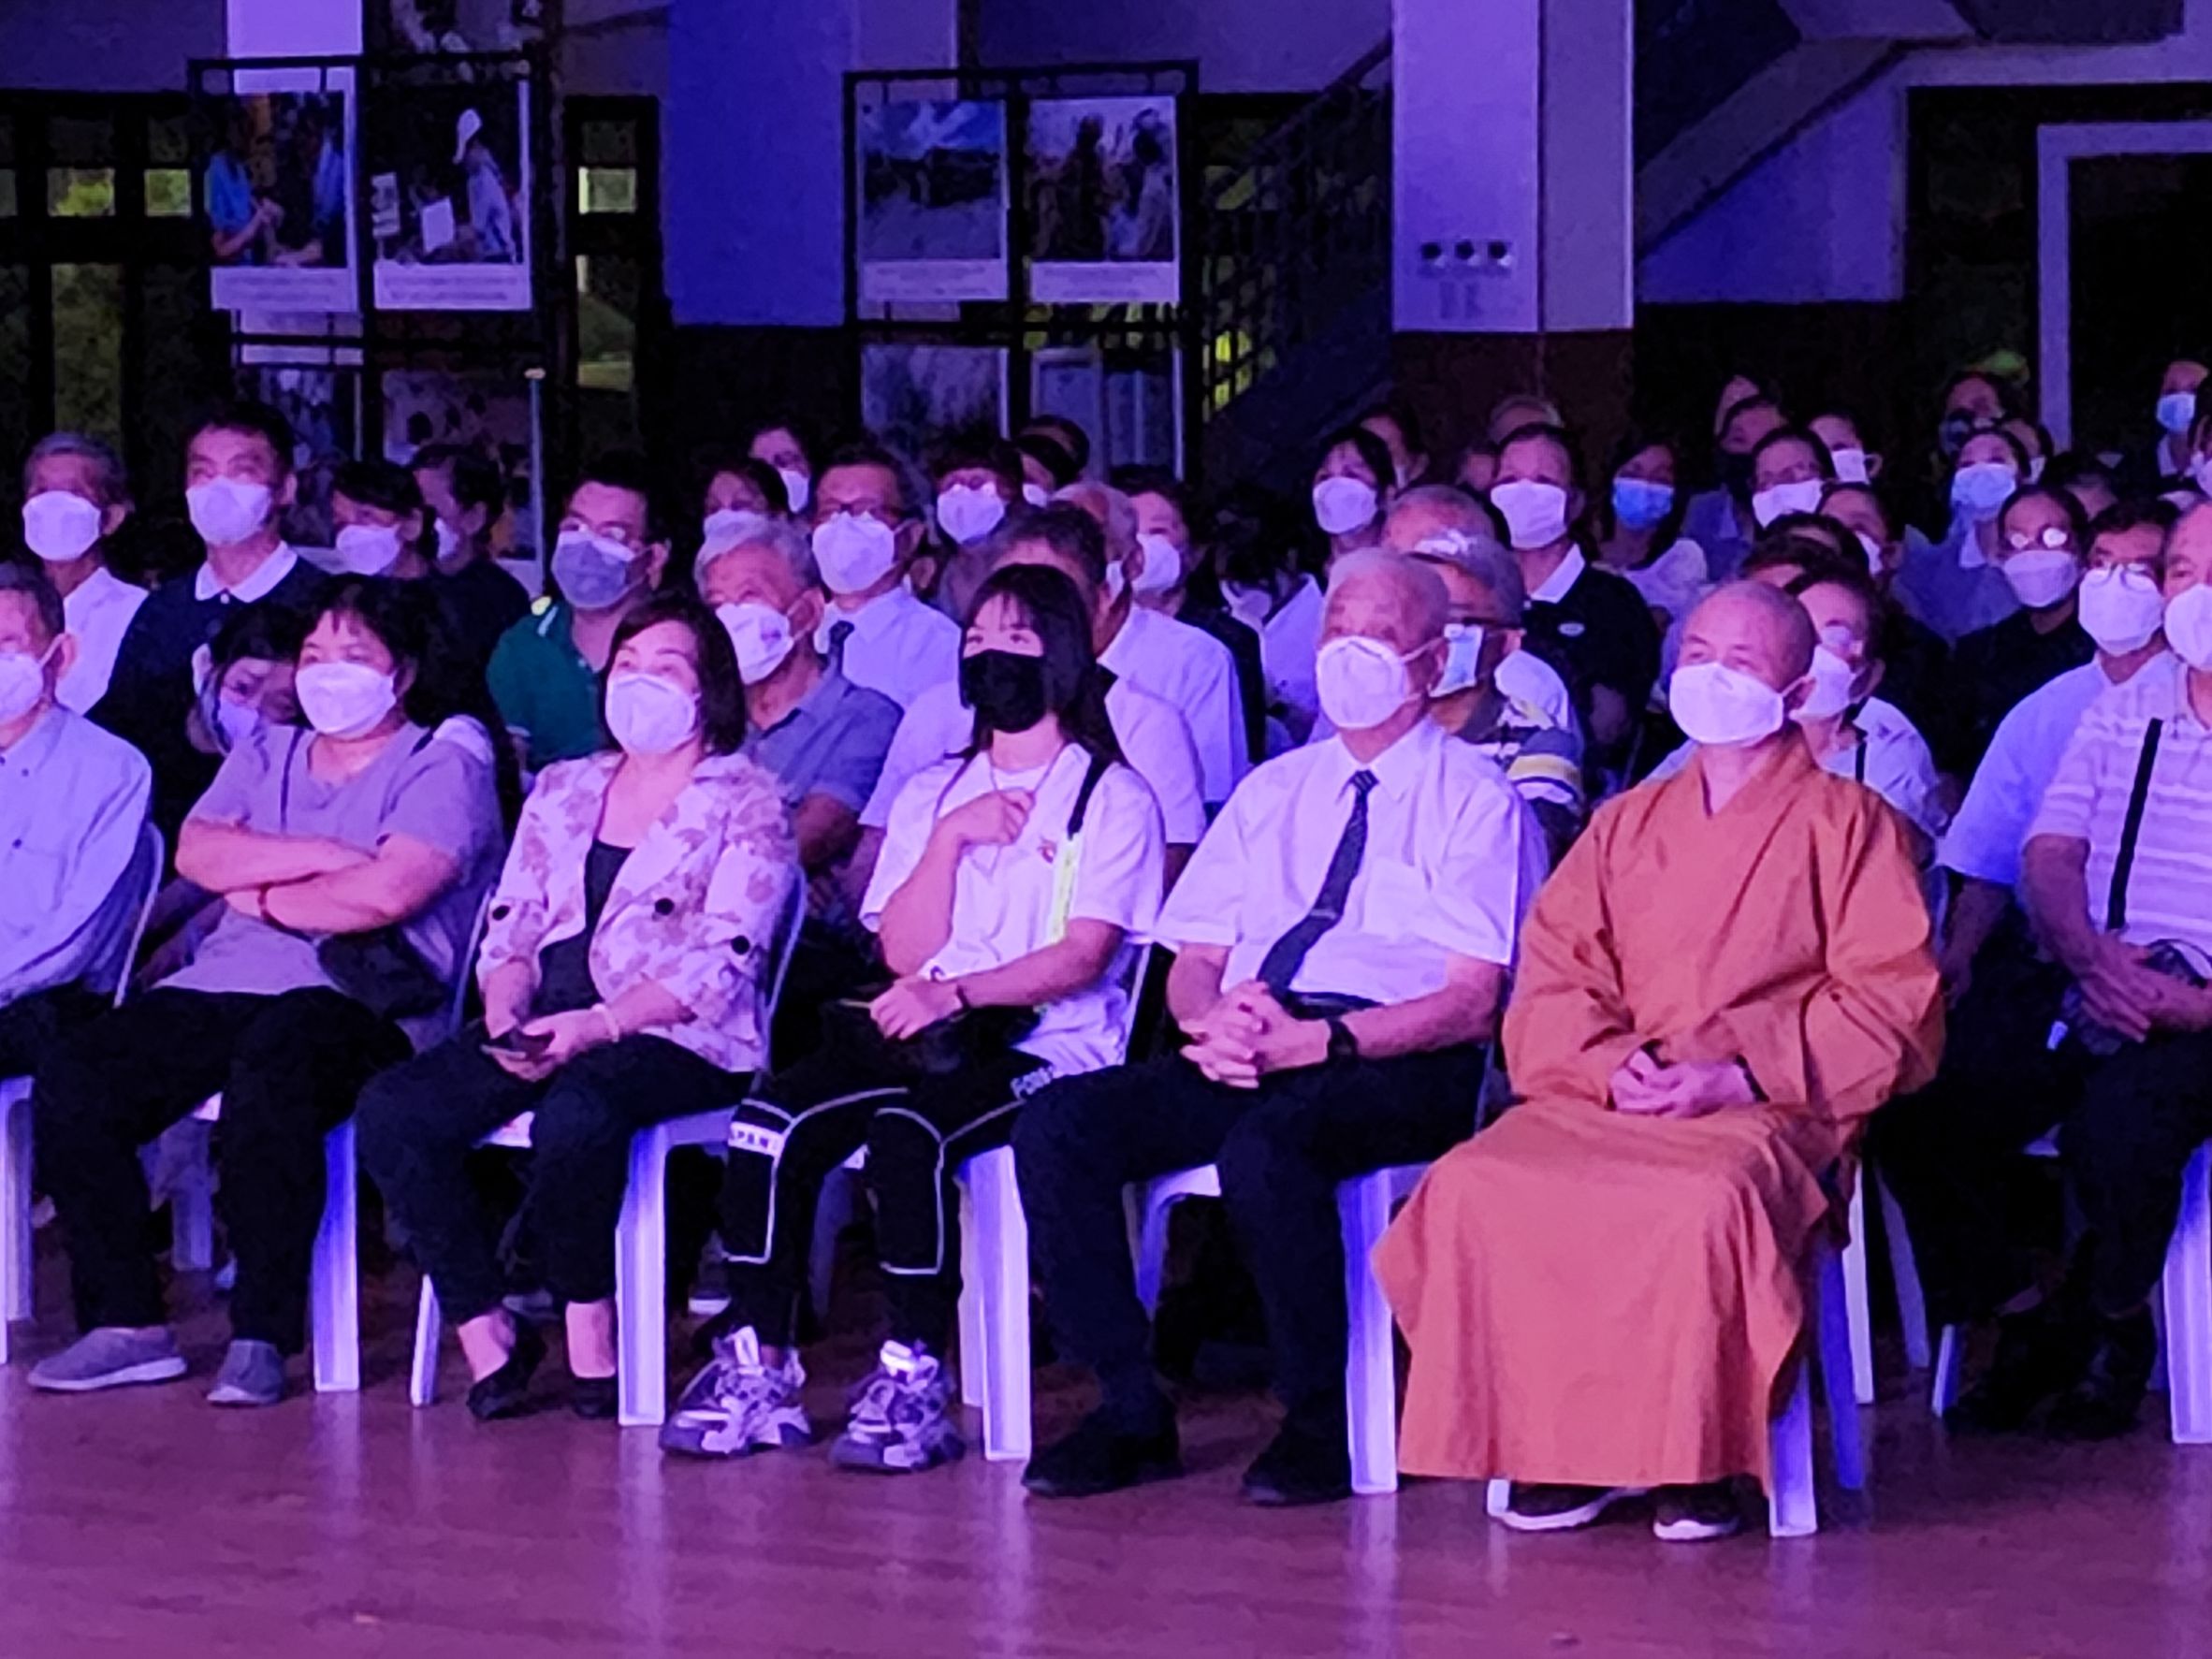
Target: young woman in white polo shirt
[1016,881]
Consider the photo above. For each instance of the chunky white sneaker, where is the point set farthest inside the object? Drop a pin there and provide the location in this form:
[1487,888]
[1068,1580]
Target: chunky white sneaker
[740,1405]
[902,1416]
[1537,1507]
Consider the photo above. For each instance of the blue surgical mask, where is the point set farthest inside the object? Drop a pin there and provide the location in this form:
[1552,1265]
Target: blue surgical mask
[1640,504]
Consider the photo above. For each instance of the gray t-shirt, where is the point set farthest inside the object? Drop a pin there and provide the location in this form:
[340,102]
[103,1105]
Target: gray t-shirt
[432,790]
[832,743]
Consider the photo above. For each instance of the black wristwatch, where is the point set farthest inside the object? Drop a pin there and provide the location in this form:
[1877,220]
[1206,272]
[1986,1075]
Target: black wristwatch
[1343,1045]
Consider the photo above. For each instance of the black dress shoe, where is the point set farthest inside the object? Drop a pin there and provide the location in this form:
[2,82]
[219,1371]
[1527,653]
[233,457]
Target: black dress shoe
[1099,1456]
[2039,1354]
[507,1392]
[1298,1468]
[2104,1404]
[595,1399]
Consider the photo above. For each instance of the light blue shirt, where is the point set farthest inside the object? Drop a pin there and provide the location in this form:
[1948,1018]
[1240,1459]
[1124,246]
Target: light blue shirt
[73,800]
[1954,598]
[1986,839]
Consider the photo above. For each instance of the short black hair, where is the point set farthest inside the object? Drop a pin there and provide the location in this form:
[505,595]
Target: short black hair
[2121,516]
[721,688]
[1790,541]
[1805,436]
[1759,399]
[1136,481]
[1844,485]
[1852,579]
[1065,432]
[1402,417]
[984,450]
[1052,454]
[474,478]
[2078,466]
[267,630]
[2077,521]
[625,468]
[389,488]
[1374,453]
[1558,437]
[31,580]
[800,430]
[251,418]
[2006,401]
[1069,531]
[887,460]
[713,463]
[1074,689]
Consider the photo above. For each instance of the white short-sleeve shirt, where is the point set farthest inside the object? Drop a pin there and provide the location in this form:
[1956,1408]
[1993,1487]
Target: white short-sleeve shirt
[1002,896]
[1290,635]
[1452,865]
[1193,672]
[96,615]
[898,646]
[1154,740]
[1985,839]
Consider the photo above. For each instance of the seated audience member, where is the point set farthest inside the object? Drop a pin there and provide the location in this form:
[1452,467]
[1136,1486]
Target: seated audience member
[1720,520]
[1266,589]
[1854,463]
[1046,467]
[624,978]
[352,857]
[2041,541]
[1017,882]
[1638,529]
[868,532]
[1588,618]
[1183,666]
[979,481]
[788,446]
[1728,973]
[1352,486]
[608,558]
[467,496]
[1176,578]
[1341,943]
[238,471]
[1955,584]
[380,524]
[1066,435]
[1150,732]
[2118,879]
[2087,479]
[1478,468]
[2034,439]
[1517,410]
[73,800]
[739,489]
[2123,609]
[1790,470]
[76,497]
[1915,661]
[2169,460]
[1401,435]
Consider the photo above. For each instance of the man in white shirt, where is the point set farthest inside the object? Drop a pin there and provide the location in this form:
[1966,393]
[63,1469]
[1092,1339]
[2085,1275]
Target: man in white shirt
[1185,667]
[2116,1052]
[72,803]
[867,529]
[1343,938]
[1153,737]
[75,499]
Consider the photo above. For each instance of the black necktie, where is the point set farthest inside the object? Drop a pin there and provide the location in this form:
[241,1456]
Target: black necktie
[1287,955]
[839,633]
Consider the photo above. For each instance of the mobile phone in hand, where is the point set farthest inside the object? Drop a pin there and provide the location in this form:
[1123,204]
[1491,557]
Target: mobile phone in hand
[523,1045]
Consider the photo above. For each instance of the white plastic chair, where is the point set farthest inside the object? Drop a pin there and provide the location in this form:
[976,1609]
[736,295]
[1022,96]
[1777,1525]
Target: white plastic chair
[17,1267]
[641,1234]
[1912,1312]
[1793,1509]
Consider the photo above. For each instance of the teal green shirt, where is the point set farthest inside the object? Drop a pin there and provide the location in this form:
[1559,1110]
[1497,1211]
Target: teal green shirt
[548,694]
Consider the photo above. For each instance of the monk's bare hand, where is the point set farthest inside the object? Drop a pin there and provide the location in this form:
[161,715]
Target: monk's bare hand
[1695,1088]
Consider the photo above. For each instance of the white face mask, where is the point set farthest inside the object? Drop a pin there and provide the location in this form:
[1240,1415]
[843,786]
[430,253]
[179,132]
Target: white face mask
[449,543]
[1536,513]
[59,526]
[1835,684]
[227,510]
[797,487]
[1163,564]
[1850,464]
[2177,412]
[1361,682]
[1037,495]
[648,715]
[969,512]
[1342,506]
[854,551]
[761,636]
[344,698]
[1778,500]
[2121,607]
[1720,707]
[594,574]
[365,549]
[1463,658]
[236,723]
[727,527]
[1877,557]
[1979,492]
[2189,626]
[2042,577]
[23,683]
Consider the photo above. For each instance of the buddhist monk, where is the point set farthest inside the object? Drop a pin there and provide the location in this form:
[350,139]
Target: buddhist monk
[1728,973]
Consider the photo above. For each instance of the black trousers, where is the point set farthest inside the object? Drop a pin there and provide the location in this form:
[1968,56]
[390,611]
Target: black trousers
[419,1122]
[289,1068]
[1281,1149]
[806,1122]
[2127,1126]
[31,1027]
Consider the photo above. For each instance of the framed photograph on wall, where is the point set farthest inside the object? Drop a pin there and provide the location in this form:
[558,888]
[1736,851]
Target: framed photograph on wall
[932,197]
[276,188]
[1104,204]
[913,396]
[449,194]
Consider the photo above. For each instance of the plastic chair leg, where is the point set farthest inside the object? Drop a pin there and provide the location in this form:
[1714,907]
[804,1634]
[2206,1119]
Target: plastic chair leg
[1904,1273]
[1152,1248]
[975,1334]
[335,1287]
[2189,1307]
[641,1285]
[1944,1392]
[1001,1254]
[192,1211]
[1371,1365]
[1792,1509]
[1838,1360]
[1857,1301]
[422,1375]
[17,1268]
[1496,1496]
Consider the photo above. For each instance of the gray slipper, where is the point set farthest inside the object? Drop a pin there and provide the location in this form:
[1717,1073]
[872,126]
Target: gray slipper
[109,1358]
[253,1374]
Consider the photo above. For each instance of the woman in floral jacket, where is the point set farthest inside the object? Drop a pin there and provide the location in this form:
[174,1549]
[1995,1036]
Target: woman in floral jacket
[623,974]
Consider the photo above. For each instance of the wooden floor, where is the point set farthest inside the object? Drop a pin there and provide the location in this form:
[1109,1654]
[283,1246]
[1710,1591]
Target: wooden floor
[148,1523]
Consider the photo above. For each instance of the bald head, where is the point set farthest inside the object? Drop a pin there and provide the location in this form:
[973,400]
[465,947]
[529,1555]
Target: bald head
[1432,512]
[1758,629]
[1383,596]
[1111,511]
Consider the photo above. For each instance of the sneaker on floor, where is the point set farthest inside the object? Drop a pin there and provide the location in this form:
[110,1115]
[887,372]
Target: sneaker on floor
[1697,1514]
[1299,1467]
[253,1374]
[109,1358]
[2104,1405]
[902,1416]
[1102,1457]
[739,1405]
[1545,1506]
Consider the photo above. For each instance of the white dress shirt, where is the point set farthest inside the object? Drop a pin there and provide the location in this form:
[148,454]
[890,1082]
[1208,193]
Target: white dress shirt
[1675,581]
[1554,586]
[1892,760]
[898,646]
[72,802]
[97,612]
[1153,737]
[1193,672]
[1985,839]
[206,585]
[1004,897]
[1290,638]
[1452,865]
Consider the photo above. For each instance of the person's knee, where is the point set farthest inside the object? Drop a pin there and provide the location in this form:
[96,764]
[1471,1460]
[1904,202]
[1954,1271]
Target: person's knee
[1063,1124]
[401,1112]
[69,1095]
[577,1116]
[1261,1160]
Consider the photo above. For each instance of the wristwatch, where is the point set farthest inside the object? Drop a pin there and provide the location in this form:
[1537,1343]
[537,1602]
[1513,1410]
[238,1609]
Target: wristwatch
[1343,1045]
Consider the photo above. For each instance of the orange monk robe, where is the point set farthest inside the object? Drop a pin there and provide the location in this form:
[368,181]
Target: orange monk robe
[1600,1298]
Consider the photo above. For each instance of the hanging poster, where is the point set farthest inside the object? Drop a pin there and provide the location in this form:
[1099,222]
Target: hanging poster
[277,191]
[449,193]
[1103,201]
[478,410]
[912,397]
[933,202]
[449,28]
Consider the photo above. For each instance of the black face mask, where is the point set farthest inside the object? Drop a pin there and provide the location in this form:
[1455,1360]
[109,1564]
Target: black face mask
[1005,688]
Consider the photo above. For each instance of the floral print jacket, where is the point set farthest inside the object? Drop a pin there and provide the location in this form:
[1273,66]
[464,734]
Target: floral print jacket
[696,909]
